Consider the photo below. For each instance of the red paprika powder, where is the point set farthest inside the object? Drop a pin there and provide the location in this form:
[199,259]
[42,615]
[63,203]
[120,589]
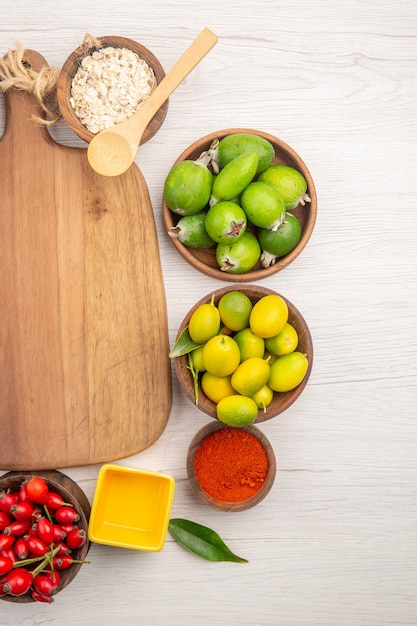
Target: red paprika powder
[231,464]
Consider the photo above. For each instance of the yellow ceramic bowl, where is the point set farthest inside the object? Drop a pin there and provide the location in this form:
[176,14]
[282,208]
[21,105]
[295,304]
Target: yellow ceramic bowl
[131,508]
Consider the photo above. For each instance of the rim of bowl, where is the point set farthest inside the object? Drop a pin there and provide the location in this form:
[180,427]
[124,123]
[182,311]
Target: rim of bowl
[243,505]
[70,67]
[204,260]
[286,398]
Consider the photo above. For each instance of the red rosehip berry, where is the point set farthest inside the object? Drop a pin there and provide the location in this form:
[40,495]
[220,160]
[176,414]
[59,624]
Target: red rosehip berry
[9,552]
[18,581]
[54,577]
[66,515]
[45,530]
[22,495]
[36,546]
[17,528]
[22,511]
[54,501]
[67,527]
[45,585]
[37,490]
[6,564]
[40,597]
[59,532]
[63,549]
[62,562]
[4,520]
[7,499]
[76,538]
[6,541]
[21,549]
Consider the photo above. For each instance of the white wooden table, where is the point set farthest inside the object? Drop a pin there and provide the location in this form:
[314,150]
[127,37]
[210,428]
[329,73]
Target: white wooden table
[335,542]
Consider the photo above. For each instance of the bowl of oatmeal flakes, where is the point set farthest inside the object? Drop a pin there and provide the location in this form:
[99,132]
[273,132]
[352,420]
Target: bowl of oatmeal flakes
[104,82]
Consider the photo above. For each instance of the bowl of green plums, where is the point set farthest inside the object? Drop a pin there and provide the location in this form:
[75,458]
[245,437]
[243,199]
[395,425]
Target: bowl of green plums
[243,354]
[239,205]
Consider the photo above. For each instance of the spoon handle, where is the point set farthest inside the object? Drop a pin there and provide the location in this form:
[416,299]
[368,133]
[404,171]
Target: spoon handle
[112,151]
[180,70]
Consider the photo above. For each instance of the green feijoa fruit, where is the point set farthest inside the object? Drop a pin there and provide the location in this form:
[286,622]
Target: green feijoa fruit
[279,242]
[235,144]
[190,230]
[234,177]
[239,257]
[263,205]
[225,222]
[290,183]
[187,187]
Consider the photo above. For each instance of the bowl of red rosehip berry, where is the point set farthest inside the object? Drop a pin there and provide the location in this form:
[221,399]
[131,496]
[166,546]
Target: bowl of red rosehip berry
[43,534]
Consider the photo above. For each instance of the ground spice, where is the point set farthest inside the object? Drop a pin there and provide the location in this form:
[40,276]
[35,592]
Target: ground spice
[231,464]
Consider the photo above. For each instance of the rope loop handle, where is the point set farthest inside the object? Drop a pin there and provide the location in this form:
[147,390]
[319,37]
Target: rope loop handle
[16,73]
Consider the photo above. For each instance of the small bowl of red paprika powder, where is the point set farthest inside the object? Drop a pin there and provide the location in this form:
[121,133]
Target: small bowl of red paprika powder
[231,468]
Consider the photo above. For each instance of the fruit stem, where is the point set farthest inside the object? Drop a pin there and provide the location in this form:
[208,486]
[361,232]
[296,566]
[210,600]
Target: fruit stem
[25,562]
[47,559]
[194,374]
[267,259]
[47,513]
[304,198]
[210,157]
[174,232]
[42,560]
[227,265]
[279,222]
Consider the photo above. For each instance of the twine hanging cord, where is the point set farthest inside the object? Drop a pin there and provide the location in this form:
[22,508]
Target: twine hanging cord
[15,73]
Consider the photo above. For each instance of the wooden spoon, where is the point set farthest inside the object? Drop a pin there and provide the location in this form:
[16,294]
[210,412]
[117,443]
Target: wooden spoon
[112,151]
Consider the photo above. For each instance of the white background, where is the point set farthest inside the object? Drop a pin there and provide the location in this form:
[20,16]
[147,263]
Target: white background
[334,543]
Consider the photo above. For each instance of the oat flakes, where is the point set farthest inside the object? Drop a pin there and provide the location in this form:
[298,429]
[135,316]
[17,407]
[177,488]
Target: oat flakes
[109,87]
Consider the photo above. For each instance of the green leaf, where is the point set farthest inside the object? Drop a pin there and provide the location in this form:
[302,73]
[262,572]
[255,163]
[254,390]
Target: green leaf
[183,345]
[201,541]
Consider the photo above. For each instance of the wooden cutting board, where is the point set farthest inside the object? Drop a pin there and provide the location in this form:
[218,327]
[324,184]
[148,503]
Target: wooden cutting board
[84,370]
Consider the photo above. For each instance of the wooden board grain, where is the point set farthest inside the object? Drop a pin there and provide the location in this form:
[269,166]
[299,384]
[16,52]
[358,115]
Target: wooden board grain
[83,336]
